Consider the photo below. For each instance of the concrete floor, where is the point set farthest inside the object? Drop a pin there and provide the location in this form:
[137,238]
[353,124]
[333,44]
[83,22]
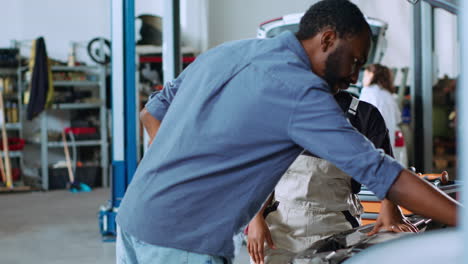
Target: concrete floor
[56,227]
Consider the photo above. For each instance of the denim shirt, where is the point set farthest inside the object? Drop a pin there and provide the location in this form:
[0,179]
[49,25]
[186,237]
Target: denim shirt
[232,123]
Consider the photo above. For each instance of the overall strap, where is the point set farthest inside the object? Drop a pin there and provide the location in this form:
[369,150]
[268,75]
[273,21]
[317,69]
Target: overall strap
[351,114]
[352,110]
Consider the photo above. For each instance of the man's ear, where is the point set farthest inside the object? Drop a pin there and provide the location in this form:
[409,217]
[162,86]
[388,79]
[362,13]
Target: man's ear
[328,40]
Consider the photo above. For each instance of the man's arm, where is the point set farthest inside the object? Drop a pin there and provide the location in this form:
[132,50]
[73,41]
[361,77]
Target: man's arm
[158,103]
[390,216]
[422,198]
[150,123]
[353,154]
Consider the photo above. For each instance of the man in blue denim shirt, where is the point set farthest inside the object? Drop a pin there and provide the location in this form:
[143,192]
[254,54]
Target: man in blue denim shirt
[230,125]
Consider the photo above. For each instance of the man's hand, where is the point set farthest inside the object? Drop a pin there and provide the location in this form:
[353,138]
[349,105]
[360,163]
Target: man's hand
[258,234]
[422,198]
[392,219]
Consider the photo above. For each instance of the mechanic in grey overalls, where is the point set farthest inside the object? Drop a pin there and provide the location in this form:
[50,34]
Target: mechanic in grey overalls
[314,199]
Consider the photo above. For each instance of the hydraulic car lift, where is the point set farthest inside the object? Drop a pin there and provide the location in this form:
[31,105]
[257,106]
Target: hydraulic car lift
[124,131]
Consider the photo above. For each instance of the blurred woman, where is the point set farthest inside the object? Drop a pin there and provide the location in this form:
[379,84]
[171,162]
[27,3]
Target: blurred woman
[378,90]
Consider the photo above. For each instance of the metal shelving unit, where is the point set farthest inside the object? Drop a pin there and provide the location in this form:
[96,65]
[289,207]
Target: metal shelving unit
[102,142]
[8,71]
[15,128]
[76,83]
[77,106]
[13,154]
[80,143]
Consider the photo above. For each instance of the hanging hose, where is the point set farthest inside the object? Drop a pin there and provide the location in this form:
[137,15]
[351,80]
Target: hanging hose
[74,186]
[74,159]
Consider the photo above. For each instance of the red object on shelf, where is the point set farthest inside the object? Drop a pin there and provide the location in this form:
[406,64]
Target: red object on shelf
[81,130]
[399,139]
[158,59]
[14,144]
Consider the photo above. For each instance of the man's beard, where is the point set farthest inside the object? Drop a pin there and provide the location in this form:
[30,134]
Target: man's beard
[332,66]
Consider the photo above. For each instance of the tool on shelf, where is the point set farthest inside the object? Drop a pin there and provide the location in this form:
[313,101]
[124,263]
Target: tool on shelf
[2,170]
[7,167]
[74,185]
[2,167]
[99,50]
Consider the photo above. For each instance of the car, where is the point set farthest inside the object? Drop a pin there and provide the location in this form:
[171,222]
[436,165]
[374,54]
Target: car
[290,22]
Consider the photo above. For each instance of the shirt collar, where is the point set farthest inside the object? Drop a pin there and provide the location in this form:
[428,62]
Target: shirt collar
[293,43]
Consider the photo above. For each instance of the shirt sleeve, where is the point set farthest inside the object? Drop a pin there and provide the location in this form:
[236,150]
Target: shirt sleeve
[318,124]
[159,101]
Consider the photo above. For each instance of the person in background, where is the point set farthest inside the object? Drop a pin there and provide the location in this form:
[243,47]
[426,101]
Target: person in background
[314,199]
[378,90]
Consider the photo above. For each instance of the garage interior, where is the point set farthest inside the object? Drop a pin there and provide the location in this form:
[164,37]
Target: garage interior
[107,57]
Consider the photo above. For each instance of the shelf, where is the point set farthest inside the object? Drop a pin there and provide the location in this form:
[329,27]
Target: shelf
[79,143]
[13,126]
[86,77]
[76,83]
[153,49]
[8,71]
[74,68]
[78,106]
[13,99]
[15,189]
[158,59]
[13,154]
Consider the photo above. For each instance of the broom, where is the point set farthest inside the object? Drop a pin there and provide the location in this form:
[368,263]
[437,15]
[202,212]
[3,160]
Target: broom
[74,186]
[5,168]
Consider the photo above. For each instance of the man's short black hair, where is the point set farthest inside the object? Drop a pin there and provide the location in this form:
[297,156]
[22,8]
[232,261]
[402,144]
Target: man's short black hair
[340,15]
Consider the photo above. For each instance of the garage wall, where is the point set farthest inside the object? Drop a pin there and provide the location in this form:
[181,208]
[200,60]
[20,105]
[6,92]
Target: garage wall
[230,20]
[10,21]
[207,23]
[62,21]
[398,15]
[58,21]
